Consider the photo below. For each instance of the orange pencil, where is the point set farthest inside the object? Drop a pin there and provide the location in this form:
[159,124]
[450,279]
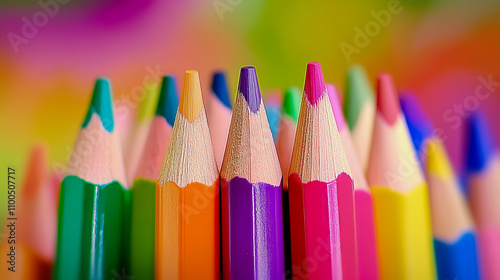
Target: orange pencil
[35,220]
[187,201]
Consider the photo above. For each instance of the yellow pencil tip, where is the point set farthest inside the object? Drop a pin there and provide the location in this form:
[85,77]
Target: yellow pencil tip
[437,161]
[191,103]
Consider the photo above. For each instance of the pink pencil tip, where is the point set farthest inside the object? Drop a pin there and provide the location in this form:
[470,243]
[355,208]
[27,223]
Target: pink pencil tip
[314,87]
[336,108]
[387,103]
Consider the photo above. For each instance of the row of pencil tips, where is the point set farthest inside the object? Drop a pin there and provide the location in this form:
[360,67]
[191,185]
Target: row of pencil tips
[303,187]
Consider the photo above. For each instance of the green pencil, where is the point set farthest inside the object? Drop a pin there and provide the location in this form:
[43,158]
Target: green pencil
[90,225]
[142,245]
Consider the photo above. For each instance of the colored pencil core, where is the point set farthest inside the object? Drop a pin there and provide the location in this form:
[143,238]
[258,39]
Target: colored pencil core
[418,123]
[358,91]
[219,87]
[146,109]
[249,87]
[291,103]
[168,100]
[101,105]
[480,146]
[314,87]
[191,102]
[387,104]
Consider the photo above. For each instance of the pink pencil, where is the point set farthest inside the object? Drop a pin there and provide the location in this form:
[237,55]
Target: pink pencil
[363,201]
[219,112]
[323,237]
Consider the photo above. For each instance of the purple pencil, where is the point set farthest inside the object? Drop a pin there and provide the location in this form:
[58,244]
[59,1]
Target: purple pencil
[252,223]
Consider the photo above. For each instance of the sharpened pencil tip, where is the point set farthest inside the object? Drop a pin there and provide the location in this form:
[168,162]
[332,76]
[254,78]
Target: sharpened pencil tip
[219,87]
[291,103]
[336,108]
[418,123]
[249,87]
[480,145]
[358,91]
[168,100]
[191,101]
[314,86]
[387,104]
[101,104]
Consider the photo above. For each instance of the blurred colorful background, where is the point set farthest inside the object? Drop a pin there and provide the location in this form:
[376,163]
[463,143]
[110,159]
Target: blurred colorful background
[447,52]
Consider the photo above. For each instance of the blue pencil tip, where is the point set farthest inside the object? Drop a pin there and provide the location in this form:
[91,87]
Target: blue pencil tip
[168,100]
[418,122]
[101,104]
[219,87]
[480,145]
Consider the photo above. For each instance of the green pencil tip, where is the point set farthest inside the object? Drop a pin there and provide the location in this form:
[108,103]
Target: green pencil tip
[146,110]
[291,103]
[101,104]
[358,91]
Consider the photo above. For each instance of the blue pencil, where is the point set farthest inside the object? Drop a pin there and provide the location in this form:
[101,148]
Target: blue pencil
[452,227]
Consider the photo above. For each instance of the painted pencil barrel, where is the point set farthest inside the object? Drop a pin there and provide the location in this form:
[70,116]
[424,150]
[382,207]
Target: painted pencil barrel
[252,224]
[489,248]
[89,244]
[404,233]
[365,235]
[457,260]
[321,226]
[187,231]
[142,233]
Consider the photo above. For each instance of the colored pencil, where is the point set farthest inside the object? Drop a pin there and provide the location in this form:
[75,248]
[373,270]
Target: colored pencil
[284,147]
[320,187]
[272,102]
[252,225]
[135,141]
[219,115]
[359,111]
[483,183]
[92,197]
[138,134]
[287,129]
[452,226]
[38,207]
[365,220]
[187,201]
[142,246]
[36,221]
[400,194]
